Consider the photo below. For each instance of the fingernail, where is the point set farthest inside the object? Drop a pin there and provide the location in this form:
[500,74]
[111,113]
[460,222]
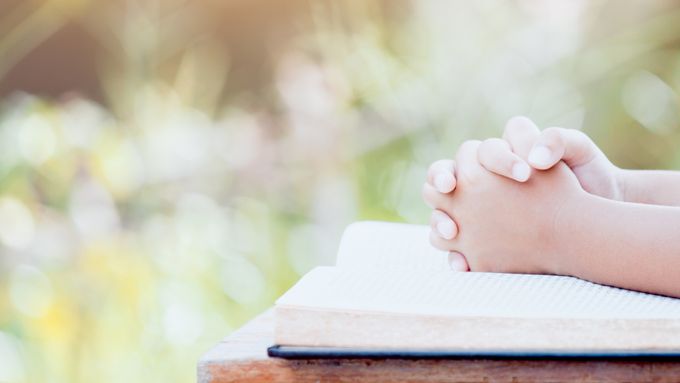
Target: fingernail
[520,171]
[445,228]
[443,181]
[457,262]
[540,155]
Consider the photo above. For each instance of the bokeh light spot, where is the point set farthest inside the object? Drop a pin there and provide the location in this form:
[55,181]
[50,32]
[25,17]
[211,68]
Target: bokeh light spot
[30,291]
[16,223]
[37,140]
[648,99]
[11,363]
[182,324]
[242,281]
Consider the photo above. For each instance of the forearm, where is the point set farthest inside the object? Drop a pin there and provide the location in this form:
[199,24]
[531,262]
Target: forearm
[656,187]
[628,245]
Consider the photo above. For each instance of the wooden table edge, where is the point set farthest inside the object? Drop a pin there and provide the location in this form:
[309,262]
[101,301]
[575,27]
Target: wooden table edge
[242,357]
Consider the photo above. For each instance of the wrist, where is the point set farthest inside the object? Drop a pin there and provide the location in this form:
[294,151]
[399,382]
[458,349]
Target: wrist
[573,225]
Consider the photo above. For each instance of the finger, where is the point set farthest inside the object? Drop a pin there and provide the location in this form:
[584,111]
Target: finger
[521,133]
[496,156]
[433,198]
[441,175]
[458,262]
[555,144]
[441,243]
[466,158]
[443,225]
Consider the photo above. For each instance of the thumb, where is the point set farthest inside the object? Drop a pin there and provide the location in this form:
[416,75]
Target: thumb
[555,144]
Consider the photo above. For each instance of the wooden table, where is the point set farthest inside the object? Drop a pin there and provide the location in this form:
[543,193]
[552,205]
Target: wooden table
[242,357]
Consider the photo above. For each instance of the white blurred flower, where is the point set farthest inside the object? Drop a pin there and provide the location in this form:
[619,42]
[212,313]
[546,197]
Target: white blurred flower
[159,238]
[93,211]
[251,226]
[82,121]
[17,225]
[36,139]
[178,147]
[12,368]
[182,324]
[555,11]
[123,168]
[334,201]
[312,106]
[55,238]
[242,281]
[9,152]
[240,140]
[182,320]
[201,223]
[30,290]
[303,86]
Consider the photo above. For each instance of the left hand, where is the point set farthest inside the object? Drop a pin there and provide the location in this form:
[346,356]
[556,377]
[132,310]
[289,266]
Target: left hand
[508,157]
[506,226]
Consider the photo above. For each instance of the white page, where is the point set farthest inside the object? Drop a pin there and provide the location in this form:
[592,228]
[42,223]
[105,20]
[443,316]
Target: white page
[449,293]
[385,246]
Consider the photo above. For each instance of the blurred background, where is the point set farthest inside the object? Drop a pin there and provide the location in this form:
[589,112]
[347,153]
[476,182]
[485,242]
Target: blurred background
[169,167]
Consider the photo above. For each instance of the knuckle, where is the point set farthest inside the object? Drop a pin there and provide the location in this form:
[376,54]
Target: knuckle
[552,133]
[467,151]
[487,146]
[467,168]
[553,137]
[492,152]
[469,145]
[579,136]
[484,150]
[517,125]
[552,130]
[487,143]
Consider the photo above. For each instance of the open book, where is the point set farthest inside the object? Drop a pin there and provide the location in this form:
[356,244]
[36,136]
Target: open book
[390,291]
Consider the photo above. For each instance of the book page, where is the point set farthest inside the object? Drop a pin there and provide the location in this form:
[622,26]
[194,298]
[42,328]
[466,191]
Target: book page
[385,246]
[449,293]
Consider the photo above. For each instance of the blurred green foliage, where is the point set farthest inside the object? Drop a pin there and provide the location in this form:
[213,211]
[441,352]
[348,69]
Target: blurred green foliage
[139,229]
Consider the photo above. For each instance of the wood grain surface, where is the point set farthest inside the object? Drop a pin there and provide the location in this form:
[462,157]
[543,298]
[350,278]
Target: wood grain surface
[242,357]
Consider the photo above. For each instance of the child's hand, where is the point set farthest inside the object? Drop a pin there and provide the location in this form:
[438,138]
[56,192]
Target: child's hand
[540,150]
[505,226]
[524,144]
[593,169]
[547,222]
